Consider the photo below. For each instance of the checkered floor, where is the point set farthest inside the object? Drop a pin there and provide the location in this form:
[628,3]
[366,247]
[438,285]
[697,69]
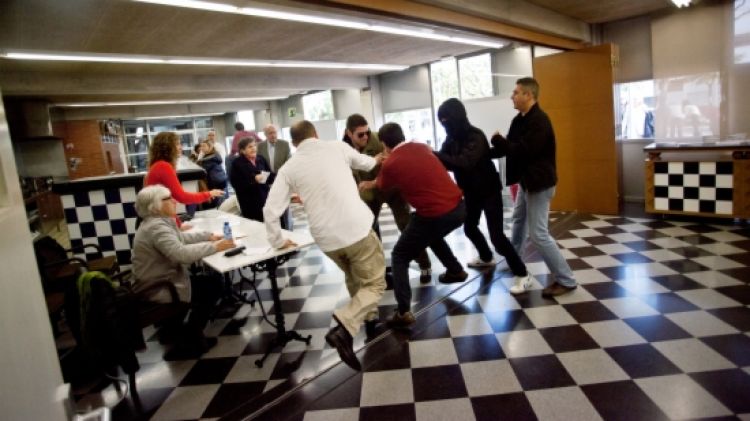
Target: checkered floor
[657,329]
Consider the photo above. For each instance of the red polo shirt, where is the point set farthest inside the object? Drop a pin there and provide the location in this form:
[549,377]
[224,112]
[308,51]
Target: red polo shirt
[422,180]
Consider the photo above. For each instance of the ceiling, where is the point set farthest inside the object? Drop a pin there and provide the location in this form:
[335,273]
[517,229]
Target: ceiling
[128,27]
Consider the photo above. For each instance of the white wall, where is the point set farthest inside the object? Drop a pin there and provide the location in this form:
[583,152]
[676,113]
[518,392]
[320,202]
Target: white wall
[30,376]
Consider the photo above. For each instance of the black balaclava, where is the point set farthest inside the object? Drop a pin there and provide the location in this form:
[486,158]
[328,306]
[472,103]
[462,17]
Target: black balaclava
[452,116]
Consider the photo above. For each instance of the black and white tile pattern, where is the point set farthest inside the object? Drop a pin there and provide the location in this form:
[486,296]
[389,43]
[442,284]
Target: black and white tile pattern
[658,328]
[705,187]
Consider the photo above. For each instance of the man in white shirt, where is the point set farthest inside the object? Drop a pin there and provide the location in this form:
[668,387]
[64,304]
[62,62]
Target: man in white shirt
[341,223]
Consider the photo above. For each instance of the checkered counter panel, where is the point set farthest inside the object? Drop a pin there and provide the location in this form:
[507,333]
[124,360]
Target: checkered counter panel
[705,187]
[103,217]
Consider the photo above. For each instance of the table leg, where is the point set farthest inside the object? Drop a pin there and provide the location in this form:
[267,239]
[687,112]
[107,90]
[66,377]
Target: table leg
[283,336]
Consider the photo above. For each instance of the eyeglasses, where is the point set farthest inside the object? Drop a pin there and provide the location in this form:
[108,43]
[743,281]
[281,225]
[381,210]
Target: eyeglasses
[360,135]
[167,198]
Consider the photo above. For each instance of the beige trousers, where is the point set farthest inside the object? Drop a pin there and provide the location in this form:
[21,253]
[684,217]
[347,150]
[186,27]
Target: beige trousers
[363,264]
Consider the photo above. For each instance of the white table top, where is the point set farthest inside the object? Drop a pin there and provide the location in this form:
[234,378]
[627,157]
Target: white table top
[246,232]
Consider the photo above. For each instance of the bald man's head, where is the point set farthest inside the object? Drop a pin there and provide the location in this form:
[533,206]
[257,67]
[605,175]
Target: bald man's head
[302,130]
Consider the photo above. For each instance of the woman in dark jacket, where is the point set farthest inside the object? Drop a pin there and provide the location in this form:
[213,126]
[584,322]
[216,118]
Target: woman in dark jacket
[466,152]
[216,177]
[248,178]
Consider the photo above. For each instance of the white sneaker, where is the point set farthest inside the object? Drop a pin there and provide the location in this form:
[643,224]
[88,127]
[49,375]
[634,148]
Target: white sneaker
[520,284]
[479,263]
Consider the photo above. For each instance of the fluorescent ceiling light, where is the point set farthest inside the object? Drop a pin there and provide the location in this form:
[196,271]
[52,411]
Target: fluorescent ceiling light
[127,58]
[681,3]
[349,22]
[174,116]
[165,102]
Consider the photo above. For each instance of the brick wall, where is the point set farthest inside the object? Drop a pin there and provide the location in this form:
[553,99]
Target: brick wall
[83,140]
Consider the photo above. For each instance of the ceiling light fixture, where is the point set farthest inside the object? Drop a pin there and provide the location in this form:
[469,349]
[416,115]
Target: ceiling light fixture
[681,3]
[127,58]
[165,102]
[349,22]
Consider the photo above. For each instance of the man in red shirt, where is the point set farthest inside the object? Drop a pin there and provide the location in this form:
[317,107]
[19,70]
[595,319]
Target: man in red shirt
[413,170]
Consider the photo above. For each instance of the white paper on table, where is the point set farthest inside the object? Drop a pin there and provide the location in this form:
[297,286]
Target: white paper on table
[255,250]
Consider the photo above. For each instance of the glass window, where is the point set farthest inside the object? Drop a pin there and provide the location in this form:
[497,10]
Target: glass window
[416,124]
[247,118]
[476,76]
[341,128]
[318,106]
[171,125]
[681,107]
[444,81]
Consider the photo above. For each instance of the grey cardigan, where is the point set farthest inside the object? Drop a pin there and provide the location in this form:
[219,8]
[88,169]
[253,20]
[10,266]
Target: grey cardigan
[161,252]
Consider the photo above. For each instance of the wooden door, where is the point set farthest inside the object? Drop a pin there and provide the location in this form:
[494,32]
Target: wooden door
[576,91]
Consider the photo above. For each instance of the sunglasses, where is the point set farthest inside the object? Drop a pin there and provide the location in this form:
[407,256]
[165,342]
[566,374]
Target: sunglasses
[360,135]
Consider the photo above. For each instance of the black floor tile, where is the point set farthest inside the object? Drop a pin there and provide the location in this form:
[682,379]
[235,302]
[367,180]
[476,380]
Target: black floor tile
[259,343]
[405,412]
[313,320]
[229,394]
[735,348]
[668,303]
[436,329]
[743,258]
[541,372]
[691,252]
[578,264]
[234,326]
[568,338]
[512,406]
[208,371]
[739,293]
[590,311]
[642,245]
[676,282]
[388,354]
[505,321]
[605,290]
[642,360]
[468,306]
[345,395]
[599,240]
[622,401]
[441,382]
[586,251]
[296,365]
[684,266]
[697,239]
[730,387]
[656,328]
[632,258]
[477,348]
[741,274]
[739,317]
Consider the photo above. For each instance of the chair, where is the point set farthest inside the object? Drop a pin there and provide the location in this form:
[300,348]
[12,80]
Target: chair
[115,319]
[59,271]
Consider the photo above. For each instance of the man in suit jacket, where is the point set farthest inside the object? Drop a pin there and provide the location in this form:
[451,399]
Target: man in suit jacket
[276,152]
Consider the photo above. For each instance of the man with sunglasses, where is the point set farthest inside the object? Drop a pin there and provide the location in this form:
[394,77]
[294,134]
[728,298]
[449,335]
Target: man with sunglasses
[359,136]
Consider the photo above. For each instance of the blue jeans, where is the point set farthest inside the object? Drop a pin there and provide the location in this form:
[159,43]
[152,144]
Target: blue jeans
[531,217]
[422,232]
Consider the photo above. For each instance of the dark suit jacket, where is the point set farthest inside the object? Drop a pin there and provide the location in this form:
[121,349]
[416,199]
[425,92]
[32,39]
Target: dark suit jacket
[281,155]
[251,195]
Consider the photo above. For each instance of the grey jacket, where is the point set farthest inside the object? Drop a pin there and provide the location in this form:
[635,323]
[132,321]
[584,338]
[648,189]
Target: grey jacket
[281,155]
[161,252]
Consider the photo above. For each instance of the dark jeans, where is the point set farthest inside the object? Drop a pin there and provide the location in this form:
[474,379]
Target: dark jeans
[492,205]
[205,292]
[400,210]
[422,232]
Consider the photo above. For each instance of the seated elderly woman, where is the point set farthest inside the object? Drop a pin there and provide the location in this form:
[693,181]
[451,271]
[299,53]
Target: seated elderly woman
[161,252]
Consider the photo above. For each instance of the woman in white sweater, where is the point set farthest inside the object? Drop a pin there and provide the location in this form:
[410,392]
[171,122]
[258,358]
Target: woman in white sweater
[162,252]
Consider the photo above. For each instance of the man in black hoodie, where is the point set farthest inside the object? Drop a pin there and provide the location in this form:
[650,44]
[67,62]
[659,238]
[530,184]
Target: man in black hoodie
[466,152]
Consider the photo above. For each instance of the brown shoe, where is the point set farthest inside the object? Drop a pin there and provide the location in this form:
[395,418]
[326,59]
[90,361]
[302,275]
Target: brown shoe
[340,339]
[401,319]
[556,289]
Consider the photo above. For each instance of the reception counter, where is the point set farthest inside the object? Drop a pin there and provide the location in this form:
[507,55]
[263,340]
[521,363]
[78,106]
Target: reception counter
[101,210]
[703,179]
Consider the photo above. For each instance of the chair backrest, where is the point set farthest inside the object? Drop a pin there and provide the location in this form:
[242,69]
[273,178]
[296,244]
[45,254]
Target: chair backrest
[47,251]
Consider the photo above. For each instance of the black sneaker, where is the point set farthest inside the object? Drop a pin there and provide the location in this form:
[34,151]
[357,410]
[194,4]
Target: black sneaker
[388,279]
[453,277]
[425,276]
[373,329]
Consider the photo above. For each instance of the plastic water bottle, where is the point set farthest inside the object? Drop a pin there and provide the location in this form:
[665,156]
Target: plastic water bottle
[227,231]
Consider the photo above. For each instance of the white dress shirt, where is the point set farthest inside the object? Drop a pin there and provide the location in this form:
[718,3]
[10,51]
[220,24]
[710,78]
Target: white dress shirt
[321,173]
[271,152]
